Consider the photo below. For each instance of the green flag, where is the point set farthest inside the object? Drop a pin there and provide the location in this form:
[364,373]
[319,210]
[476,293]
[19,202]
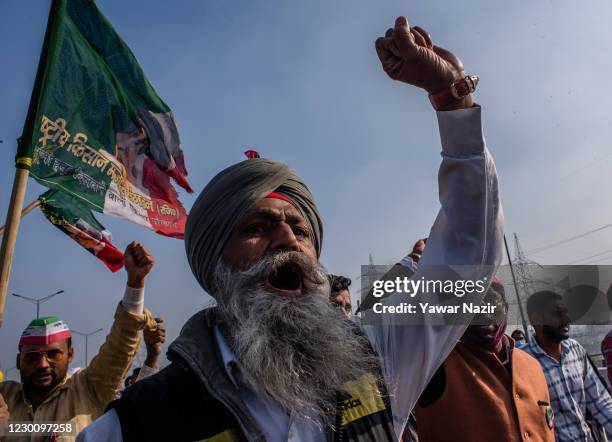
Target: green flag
[75,219]
[96,132]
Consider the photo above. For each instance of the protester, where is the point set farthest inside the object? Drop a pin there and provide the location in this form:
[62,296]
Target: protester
[4,416]
[403,268]
[502,390]
[574,387]
[417,250]
[606,351]
[154,340]
[519,338]
[339,294]
[131,378]
[46,393]
[272,361]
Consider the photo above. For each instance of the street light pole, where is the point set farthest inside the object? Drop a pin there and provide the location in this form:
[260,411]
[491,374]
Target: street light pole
[87,335]
[38,301]
[6,373]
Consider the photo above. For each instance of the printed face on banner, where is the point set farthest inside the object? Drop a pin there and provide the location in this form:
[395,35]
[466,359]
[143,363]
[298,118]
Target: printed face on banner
[130,152]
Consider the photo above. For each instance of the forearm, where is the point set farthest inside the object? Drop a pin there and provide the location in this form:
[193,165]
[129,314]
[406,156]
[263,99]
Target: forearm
[151,361]
[599,402]
[469,228]
[601,409]
[133,299]
[107,368]
[145,371]
[468,231]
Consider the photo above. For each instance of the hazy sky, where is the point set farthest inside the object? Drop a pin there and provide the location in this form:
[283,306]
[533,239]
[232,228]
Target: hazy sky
[300,82]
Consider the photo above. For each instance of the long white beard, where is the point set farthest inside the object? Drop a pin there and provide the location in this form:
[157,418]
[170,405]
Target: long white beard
[300,351]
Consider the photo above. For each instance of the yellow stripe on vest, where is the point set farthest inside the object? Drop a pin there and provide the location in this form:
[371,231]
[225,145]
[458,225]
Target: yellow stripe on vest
[225,436]
[365,399]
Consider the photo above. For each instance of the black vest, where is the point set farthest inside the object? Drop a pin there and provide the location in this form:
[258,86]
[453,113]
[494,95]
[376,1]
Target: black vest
[193,399]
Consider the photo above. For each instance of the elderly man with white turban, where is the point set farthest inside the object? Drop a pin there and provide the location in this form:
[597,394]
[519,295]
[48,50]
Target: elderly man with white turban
[274,360]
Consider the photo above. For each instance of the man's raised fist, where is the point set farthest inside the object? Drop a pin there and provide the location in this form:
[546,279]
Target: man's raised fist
[138,263]
[407,54]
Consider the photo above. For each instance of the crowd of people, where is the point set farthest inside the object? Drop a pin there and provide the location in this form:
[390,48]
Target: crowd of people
[281,357]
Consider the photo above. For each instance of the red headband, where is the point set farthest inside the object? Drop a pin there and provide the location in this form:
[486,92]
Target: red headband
[280,197]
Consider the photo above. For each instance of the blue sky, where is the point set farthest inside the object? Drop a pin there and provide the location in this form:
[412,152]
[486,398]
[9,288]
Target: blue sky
[301,83]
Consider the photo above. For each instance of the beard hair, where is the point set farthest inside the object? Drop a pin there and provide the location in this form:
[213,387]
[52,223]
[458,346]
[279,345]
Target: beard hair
[552,333]
[28,381]
[300,351]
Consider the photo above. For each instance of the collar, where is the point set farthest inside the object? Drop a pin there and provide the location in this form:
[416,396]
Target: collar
[507,342]
[227,355]
[196,349]
[534,346]
[509,346]
[539,351]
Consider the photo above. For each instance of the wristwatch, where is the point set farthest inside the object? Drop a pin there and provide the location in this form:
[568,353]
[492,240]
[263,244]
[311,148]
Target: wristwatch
[457,90]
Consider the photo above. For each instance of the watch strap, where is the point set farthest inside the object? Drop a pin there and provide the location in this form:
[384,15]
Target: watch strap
[457,90]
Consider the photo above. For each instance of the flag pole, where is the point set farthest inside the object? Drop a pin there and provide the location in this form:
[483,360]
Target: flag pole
[33,205]
[13,217]
[23,161]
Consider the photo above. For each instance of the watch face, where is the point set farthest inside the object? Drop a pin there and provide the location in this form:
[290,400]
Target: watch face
[461,88]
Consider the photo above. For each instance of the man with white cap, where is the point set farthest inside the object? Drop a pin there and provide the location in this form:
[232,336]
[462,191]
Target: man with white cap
[275,360]
[47,394]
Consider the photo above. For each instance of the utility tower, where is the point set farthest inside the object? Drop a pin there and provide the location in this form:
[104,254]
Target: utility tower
[522,277]
[521,266]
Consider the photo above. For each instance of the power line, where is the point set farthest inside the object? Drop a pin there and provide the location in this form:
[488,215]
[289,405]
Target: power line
[589,257]
[596,260]
[605,260]
[565,241]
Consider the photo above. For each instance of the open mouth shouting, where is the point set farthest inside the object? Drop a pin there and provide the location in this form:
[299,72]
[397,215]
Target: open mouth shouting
[287,279]
[564,329]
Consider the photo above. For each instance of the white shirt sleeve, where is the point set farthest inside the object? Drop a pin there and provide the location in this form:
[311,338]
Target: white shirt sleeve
[106,428]
[145,372]
[467,231]
[133,300]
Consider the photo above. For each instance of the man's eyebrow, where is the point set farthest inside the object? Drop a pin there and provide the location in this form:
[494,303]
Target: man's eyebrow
[291,216]
[264,212]
[294,217]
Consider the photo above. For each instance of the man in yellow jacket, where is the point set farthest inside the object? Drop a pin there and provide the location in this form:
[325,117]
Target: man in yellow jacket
[46,394]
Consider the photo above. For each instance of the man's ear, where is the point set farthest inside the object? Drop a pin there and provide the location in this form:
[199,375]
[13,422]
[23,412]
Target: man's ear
[535,319]
[70,354]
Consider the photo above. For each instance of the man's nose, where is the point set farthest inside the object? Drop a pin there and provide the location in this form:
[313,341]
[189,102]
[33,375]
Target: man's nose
[42,362]
[284,238]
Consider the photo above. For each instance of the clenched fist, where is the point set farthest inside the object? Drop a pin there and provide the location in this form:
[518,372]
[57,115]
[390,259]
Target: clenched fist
[418,249]
[154,339]
[407,54]
[138,263]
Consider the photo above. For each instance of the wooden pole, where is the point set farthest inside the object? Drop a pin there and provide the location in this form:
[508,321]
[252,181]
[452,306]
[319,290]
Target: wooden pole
[13,217]
[23,159]
[33,205]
